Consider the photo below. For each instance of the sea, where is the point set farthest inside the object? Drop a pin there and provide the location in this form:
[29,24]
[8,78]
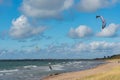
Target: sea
[38,69]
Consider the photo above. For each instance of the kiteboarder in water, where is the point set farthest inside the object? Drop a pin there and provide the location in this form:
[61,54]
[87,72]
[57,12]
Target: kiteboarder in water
[50,66]
[103,21]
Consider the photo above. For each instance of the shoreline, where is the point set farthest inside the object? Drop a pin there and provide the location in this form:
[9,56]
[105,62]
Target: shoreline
[84,73]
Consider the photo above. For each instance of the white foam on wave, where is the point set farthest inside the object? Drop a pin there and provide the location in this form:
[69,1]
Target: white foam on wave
[42,68]
[9,71]
[77,62]
[73,63]
[30,66]
[57,67]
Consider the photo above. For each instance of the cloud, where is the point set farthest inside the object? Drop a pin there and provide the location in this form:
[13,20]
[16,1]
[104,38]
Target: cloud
[3,51]
[95,47]
[103,45]
[45,8]
[84,31]
[93,5]
[80,32]
[64,50]
[109,31]
[22,29]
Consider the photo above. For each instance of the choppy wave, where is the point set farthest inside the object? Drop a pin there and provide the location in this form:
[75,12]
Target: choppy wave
[8,71]
[30,66]
[35,72]
[58,67]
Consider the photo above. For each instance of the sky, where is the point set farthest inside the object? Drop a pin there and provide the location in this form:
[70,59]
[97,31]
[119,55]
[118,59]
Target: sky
[59,29]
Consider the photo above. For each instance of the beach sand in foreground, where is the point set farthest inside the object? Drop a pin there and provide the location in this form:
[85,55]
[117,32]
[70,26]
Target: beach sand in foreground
[86,74]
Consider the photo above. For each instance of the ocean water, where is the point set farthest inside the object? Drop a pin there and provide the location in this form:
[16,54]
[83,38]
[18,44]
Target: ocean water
[36,70]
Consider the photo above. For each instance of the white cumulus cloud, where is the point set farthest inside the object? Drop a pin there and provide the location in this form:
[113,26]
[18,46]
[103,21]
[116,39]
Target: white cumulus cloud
[109,31]
[45,8]
[96,47]
[64,50]
[21,28]
[80,32]
[93,5]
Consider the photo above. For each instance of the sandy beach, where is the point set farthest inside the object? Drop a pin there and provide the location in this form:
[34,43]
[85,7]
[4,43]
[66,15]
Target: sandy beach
[81,74]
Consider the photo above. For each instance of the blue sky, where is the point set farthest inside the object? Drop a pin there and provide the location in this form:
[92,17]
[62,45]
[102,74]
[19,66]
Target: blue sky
[58,29]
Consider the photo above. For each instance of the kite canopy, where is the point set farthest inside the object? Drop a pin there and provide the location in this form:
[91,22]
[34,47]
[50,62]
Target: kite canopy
[103,21]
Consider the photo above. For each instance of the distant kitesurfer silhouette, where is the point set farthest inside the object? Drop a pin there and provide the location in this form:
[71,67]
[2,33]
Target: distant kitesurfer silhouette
[50,67]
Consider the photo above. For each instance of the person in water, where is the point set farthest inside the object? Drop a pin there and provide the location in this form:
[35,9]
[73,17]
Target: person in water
[50,67]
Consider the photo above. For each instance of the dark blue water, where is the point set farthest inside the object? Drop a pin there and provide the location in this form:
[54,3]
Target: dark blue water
[36,70]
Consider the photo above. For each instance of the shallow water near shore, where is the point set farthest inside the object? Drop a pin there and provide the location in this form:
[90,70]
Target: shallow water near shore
[36,70]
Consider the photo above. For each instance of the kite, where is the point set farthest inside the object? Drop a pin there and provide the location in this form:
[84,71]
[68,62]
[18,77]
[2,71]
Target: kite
[103,21]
